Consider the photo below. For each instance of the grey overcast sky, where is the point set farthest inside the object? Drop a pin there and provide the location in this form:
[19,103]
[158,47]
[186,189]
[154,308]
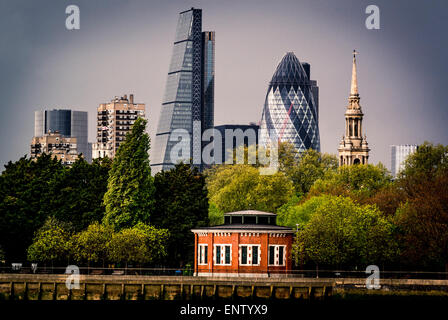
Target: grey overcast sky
[125,47]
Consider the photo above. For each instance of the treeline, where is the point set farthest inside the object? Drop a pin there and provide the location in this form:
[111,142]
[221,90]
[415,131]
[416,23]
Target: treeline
[347,216]
[104,212]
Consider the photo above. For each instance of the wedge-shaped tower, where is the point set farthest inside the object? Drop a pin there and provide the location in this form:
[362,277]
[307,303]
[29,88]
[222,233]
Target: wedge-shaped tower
[189,91]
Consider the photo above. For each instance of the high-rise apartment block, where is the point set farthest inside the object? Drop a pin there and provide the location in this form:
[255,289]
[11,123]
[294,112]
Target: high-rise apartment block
[189,92]
[63,148]
[67,123]
[399,153]
[114,120]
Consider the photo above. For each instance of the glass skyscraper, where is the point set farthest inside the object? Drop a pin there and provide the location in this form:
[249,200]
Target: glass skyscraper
[291,110]
[189,92]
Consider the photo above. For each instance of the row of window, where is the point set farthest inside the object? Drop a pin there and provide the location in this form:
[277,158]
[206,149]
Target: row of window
[249,255]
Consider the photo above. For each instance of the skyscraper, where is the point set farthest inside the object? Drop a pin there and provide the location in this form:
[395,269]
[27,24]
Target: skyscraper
[353,148]
[189,91]
[290,112]
[68,123]
[114,120]
[399,153]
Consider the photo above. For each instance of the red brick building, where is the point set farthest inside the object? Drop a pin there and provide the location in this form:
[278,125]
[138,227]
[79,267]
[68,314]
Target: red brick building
[249,243]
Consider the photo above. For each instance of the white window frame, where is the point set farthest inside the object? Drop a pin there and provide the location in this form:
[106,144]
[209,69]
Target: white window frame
[249,254]
[202,248]
[276,253]
[223,254]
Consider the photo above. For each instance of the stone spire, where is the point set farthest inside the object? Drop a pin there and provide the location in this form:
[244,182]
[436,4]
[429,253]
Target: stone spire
[353,148]
[354,87]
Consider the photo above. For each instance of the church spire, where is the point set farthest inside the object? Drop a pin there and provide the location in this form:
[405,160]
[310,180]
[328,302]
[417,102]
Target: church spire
[354,87]
[353,148]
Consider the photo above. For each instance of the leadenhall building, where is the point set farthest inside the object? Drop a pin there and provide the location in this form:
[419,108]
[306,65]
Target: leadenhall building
[353,148]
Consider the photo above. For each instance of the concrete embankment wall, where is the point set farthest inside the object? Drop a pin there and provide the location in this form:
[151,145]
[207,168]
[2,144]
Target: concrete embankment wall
[112,287]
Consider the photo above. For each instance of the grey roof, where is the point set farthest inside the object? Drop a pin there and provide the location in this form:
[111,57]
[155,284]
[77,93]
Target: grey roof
[250,227]
[250,212]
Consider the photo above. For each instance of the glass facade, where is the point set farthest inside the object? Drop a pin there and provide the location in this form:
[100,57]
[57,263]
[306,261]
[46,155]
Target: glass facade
[399,154]
[290,111]
[189,91]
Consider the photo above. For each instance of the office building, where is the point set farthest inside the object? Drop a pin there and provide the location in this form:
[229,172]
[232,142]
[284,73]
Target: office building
[114,120]
[245,135]
[399,153]
[290,112]
[189,93]
[62,147]
[68,123]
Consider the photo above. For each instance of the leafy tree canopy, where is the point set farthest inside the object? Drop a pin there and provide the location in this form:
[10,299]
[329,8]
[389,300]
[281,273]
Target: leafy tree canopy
[130,191]
[359,181]
[343,233]
[52,242]
[181,205]
[242,187]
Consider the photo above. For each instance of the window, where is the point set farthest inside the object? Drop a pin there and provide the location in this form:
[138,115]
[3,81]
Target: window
[249,255]
[203,254]
[223,254]
[277,255]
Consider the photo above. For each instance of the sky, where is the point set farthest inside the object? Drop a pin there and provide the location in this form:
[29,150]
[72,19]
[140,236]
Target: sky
[124,47]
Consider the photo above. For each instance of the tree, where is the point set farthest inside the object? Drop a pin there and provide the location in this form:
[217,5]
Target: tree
[305,168]
[76,194]
[423,218]
[388,199]
[51,242]
[215,216]
[241,187]
[2,255]
[423,224]
[357,181]
[91,244]
[295,214]
[342,233]
[130,191]
[429,160]
[24,190]
[139,244]
[181,205]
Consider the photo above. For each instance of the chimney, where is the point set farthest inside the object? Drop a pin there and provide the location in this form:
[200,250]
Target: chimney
[131,98]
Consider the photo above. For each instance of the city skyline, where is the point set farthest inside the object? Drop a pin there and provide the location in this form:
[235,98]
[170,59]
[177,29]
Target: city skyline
[400,77]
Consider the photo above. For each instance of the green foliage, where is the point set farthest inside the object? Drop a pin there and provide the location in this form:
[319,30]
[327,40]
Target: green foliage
[130,191]
[342,233]
[181,204]
[305,168]
[52,242]
[91,244]
[77,193]
[429,160]
[24,190]
[358,181]
[215,216]
[423,223]
[2,255]
[241,187]
[293,213]
[139,244]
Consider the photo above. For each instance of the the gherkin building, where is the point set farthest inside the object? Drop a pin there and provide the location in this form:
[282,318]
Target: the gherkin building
[290,112]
